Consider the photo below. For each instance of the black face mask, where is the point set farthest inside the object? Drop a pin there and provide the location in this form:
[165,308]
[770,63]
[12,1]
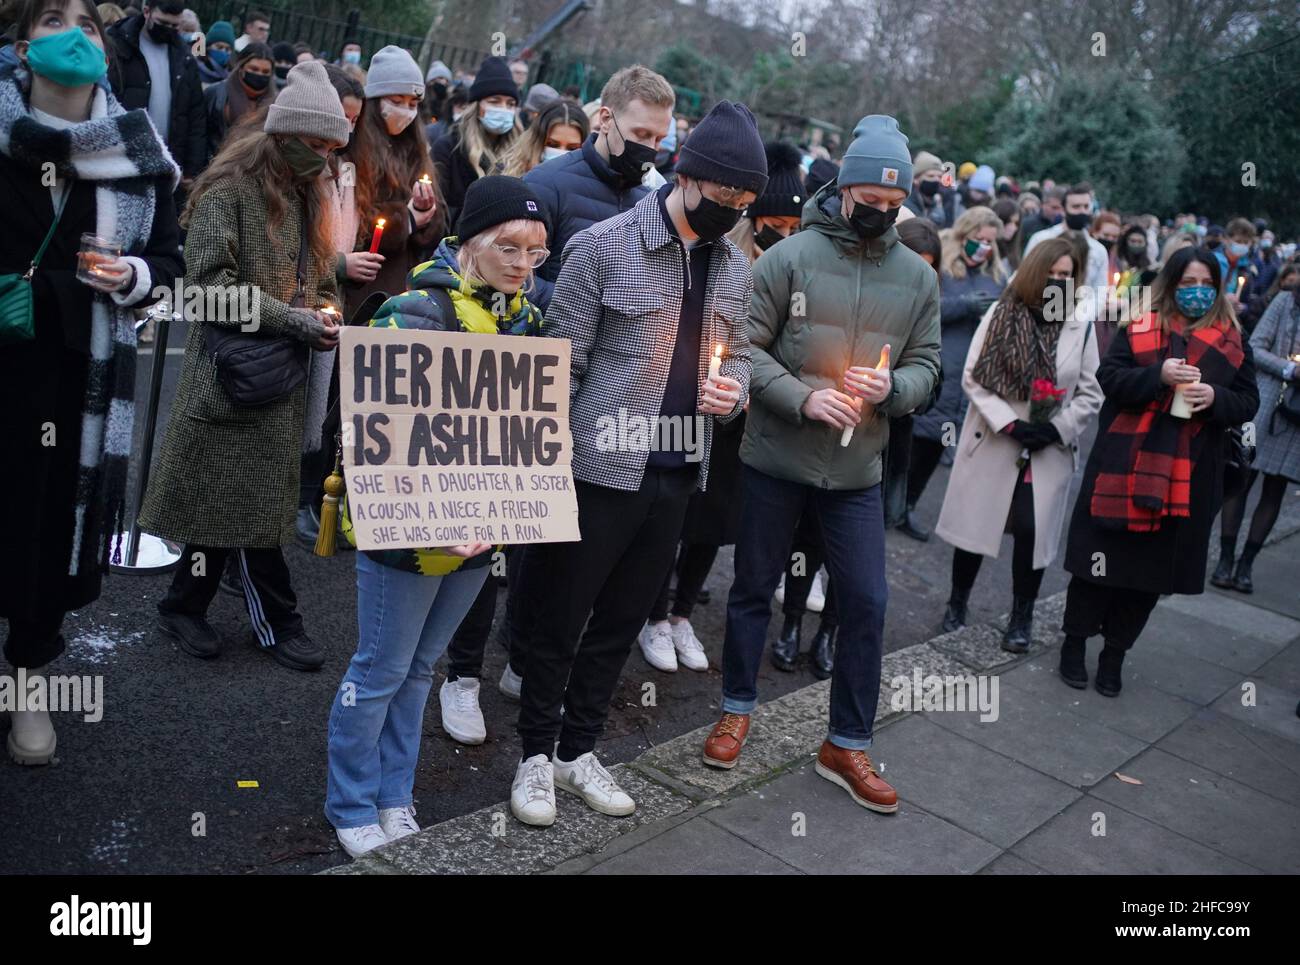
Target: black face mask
[930,188]
[1107,243]
[710,220]
[1136,245]
[162,33]
[255,82]
[439,91]
[1213,243]
[632,164]
[282,71]
[1077,222]
[1054,304]
[767,237]
[871,222]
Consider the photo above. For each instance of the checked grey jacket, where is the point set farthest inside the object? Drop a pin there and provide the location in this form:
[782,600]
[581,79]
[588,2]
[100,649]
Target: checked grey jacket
[618,299]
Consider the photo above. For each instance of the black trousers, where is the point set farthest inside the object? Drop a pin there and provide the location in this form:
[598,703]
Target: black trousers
[34,642]
[1117,613]
[925,458]
[1025,580]
[897,459]
[268,590]
[809,553]
[694,560]
[613,574]
[465,653]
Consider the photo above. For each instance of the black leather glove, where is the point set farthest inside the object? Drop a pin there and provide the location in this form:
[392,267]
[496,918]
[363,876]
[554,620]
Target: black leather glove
[1035,435]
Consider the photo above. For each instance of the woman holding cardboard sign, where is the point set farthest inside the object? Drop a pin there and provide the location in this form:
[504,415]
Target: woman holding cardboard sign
[410,601]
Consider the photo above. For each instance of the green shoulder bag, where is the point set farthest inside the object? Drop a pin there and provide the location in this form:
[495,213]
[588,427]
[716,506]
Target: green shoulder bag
[17,315]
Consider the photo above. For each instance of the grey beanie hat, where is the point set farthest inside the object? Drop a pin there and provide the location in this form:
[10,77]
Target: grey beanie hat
[394,71]
[540,97]
[438,69]
[308,106]
[878,155]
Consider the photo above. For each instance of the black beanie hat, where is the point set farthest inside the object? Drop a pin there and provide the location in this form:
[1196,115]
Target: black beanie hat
[493,77]
[785,194]
[725,148]
[821,173]
[496,199]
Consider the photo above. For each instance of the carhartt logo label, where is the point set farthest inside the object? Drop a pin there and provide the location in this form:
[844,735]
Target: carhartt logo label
[891,176]
[103,918]
[532,205]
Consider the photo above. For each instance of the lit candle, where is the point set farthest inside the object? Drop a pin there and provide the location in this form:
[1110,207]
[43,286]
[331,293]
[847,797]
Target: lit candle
[846,435]
[331,311]
[1241,284]
[425,179]
[715,362]
[1114,280]
[374,238]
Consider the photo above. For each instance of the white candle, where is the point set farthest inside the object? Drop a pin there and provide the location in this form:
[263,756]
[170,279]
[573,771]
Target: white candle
[846,435]
[1180,408]
[715,362]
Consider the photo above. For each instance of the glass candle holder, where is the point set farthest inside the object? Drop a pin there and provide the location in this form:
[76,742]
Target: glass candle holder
[95,251]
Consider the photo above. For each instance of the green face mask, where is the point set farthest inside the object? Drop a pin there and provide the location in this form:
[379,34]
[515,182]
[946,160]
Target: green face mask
[305,163]
[68,58]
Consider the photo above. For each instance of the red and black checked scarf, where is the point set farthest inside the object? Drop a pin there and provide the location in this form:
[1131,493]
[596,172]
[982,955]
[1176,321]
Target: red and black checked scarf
[1144,459]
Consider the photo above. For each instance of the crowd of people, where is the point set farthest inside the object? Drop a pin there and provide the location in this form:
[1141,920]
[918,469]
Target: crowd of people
[837,322]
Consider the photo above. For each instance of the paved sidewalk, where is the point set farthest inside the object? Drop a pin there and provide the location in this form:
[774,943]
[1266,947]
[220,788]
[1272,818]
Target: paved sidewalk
[1205,731]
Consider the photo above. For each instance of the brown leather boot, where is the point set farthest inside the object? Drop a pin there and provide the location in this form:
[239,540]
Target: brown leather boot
[722,748]
[853,771]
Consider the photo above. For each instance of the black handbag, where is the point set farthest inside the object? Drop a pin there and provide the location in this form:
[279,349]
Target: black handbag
[257,369]
[1288,401]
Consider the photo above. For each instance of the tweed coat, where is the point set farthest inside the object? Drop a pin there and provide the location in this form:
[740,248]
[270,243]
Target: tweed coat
[1274,341]
[228,476]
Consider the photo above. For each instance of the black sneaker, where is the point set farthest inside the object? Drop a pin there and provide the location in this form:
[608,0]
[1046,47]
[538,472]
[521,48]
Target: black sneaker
[194,634]
[298,652]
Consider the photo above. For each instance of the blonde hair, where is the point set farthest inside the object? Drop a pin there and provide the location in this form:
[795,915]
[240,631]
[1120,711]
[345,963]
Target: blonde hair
[1175,242]
[471,252]
[478,144]
[742,236]
[637,82]
[972,220]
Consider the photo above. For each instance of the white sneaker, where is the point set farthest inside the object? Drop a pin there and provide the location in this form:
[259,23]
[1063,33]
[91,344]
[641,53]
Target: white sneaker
[511,683]
[690,652]
[461,717]
[532,795]
[398,822]
[587,778]
[357,841]
[32,739]
[779,595]
[817,592]
[656,641]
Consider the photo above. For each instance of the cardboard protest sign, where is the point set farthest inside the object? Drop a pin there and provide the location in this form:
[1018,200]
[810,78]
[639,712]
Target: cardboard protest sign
[452,438]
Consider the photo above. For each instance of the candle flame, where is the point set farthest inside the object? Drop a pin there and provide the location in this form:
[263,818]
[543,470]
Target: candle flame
[717,351]
[380,222]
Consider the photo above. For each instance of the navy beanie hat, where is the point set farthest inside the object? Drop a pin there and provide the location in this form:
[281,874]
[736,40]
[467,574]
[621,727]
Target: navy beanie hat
[726,148]
[878,155]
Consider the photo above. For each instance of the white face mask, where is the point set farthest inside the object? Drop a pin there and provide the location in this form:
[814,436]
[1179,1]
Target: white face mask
[397,119]
[553,152]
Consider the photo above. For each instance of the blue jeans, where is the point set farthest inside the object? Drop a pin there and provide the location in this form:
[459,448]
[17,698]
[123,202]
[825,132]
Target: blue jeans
[853,534]
[405,621]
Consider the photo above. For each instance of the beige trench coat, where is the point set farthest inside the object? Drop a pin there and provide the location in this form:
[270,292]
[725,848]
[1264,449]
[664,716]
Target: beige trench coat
[984,471]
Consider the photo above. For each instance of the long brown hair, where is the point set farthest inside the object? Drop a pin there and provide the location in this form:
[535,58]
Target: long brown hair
[387,166]
[1165,287]
[1030,279]
[252,155]
[526,153]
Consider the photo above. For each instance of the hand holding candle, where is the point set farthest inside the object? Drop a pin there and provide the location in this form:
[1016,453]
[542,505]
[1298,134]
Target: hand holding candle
[379,233]
[422,197]
[872,385]
[721,393]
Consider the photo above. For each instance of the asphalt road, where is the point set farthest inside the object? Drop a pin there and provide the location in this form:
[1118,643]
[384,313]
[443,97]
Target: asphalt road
[153,786]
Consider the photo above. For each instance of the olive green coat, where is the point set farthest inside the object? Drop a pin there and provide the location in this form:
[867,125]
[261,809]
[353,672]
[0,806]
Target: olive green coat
[228,476]
[823,300]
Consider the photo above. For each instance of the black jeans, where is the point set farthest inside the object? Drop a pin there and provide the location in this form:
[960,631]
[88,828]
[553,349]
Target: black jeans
[268,591]
[1025,580]
[465,653]
[808,555]
[1117,613]
[925,458]
[694,560]
[897,459]
[613,574]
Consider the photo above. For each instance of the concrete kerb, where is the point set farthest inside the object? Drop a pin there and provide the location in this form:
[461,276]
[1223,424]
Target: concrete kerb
[672,785]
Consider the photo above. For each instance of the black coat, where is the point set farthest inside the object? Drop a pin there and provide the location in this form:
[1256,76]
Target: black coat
[578,189]
[1172,559]
[42,387]
[713,516]
[455,174]
[129,75]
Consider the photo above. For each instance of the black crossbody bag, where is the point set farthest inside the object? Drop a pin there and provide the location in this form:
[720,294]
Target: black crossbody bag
[257,369]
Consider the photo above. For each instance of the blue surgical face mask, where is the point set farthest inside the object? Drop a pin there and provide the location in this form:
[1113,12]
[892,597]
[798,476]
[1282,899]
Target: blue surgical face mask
[548,153]
[498,120]
[1265,244]
[351,56]
[220,57]
[68,58]
[1238,249]
[1195,300]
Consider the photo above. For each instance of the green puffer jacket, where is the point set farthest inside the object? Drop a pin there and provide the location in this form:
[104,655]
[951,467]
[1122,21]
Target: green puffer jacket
[824,300]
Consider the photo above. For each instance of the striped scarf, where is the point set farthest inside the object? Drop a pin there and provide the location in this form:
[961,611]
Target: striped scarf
[1144,464]
[122,153]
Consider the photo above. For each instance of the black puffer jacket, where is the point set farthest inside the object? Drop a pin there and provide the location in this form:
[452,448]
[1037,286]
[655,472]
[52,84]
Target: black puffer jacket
[129,75]
[578,190]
